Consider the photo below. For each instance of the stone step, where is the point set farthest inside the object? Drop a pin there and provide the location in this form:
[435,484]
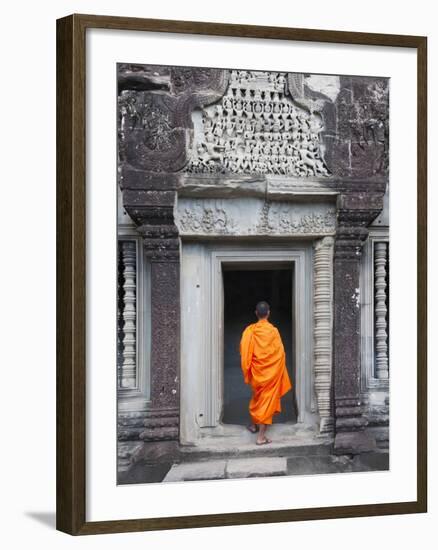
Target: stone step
[238,468]
[236,441]
[235,468]
[196,471]
[127,452]
[226,449]
[373,461]
[256,467]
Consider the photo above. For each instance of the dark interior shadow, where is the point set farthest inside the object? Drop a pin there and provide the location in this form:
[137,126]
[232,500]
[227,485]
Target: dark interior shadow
[242,290]
[46,518]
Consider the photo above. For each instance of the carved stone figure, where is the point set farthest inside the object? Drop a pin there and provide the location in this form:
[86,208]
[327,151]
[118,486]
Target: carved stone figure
[216,217]
[256,115]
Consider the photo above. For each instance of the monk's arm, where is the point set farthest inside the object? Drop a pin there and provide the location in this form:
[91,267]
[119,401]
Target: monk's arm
[280,343]
[246,351]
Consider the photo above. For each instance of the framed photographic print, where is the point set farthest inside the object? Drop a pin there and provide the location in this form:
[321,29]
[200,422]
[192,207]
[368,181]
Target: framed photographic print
[241,288]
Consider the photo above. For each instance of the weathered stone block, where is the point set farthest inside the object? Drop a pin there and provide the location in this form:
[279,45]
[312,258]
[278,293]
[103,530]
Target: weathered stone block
[337,156]
[256,467]
[197,471]
[135,179]
[367,159]
[346,114]
[354,443]
[370,88]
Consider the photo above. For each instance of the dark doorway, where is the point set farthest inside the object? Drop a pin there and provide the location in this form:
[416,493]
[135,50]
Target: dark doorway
[243,288]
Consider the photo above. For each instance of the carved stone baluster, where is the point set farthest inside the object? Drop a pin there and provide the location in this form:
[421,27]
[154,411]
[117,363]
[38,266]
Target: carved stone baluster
[323,268]
[120,308]
[380,310]
[128,378]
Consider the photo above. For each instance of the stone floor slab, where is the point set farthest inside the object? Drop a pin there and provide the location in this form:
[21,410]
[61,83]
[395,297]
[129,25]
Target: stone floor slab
[196,471]
[256,467]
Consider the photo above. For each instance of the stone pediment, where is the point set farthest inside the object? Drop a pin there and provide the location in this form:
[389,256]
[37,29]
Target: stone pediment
[256,128]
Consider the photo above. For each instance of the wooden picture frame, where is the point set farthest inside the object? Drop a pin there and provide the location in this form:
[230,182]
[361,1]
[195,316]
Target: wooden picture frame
[71,273]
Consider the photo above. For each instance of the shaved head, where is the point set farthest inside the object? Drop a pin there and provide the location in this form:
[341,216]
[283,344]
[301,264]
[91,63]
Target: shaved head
[262,310]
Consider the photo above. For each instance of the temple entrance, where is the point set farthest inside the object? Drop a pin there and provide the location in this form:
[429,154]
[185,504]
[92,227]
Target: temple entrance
[221,284]
[244,286]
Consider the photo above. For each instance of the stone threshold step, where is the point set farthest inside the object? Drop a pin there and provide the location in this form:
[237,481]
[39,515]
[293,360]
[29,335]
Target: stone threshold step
[238,468]
[225,450]
[234,468]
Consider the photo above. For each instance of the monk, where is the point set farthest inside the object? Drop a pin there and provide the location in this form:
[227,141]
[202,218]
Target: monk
[263,362]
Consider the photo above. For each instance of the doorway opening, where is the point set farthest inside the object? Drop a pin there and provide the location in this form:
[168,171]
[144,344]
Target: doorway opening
[244,286]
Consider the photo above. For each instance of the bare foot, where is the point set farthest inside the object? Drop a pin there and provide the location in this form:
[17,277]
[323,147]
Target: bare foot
[263,441]
[253,428]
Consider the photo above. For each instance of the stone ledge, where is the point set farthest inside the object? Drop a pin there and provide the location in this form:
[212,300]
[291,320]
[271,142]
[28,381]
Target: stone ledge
[197,471]
[238,449]
[313,465]
[242,468]
[272,187]
[255,467]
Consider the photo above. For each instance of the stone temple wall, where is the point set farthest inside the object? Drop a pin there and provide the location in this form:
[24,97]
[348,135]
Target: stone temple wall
[193,140]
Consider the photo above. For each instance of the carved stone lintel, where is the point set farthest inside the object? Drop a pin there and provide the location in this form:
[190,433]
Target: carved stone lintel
[254,216]
[323,268]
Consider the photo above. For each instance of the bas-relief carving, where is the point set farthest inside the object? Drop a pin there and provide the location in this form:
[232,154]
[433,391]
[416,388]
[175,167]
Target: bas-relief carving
[155,126]
[205,219]
[150,136]
[283,220]
[256,128]
[245,217]
[309,125]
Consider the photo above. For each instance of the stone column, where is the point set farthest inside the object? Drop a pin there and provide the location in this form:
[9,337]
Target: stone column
[355,212]
[323,283]
[162,422]
[161,243]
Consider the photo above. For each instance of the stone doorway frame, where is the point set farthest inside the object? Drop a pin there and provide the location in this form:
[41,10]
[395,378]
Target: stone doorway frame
[202,388]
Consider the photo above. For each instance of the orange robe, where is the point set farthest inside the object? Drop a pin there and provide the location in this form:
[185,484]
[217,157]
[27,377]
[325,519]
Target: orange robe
[263,363]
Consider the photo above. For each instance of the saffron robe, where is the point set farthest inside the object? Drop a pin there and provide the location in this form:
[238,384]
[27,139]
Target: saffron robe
[263,362]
